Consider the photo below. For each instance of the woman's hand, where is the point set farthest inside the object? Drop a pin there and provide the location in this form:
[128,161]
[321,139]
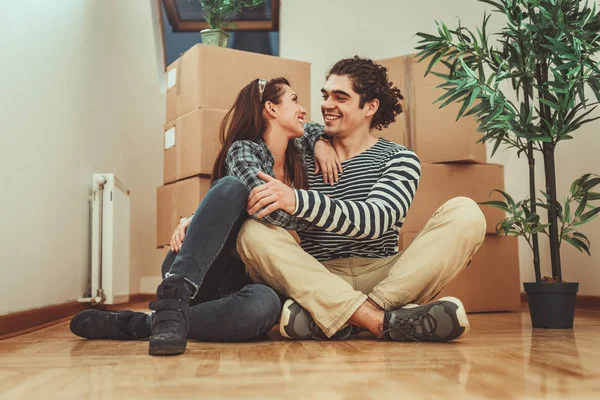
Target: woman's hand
[179,234]
[327,160]
[273,195]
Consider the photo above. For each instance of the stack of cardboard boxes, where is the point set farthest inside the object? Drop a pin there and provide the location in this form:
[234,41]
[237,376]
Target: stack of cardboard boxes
[453,164]
[201,86]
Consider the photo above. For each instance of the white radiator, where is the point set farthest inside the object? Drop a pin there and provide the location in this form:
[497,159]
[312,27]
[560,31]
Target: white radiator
[109,241]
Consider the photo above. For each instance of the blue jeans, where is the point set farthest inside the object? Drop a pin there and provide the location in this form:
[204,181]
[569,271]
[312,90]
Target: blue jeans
[227,307]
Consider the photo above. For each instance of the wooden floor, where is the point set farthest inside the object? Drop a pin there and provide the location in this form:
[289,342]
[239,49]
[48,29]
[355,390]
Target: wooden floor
[501,358]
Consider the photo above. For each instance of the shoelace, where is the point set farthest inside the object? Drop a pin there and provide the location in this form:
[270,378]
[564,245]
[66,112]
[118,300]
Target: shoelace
[408,326]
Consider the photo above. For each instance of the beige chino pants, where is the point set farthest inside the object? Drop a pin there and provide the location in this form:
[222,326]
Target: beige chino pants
[333,290]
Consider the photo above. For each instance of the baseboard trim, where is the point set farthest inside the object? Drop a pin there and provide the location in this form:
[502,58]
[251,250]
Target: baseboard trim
[17,323]
[140,297]
[22,322]
[582,301]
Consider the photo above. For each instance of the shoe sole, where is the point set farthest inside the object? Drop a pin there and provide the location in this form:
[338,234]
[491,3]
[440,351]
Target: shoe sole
[285,318]
[461,315]
[166,350]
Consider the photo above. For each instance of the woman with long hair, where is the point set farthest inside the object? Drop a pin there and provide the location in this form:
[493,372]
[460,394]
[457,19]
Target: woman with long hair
[205,294]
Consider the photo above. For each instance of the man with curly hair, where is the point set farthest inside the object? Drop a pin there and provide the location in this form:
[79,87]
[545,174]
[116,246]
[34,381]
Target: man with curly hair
[347,273]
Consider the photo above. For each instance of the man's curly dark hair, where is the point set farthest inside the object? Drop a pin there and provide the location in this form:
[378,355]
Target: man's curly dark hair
[370,81]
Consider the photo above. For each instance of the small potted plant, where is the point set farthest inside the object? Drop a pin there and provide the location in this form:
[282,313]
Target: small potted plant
[547,51]
[217,14]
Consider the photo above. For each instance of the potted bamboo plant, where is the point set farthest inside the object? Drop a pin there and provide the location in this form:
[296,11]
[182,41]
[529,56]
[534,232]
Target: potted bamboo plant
[217,14]
[547,51]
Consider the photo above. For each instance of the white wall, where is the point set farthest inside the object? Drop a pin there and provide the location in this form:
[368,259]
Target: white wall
[80,94]
[322,32]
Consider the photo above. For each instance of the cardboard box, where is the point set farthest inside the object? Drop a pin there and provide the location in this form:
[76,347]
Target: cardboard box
[175,201]
[211,77]
[437,136]
[441,182]
[491,282]
[432,132]
[396,132]
[192,144]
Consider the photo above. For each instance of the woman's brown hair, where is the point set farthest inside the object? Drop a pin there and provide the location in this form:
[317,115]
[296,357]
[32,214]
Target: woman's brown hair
[245,121]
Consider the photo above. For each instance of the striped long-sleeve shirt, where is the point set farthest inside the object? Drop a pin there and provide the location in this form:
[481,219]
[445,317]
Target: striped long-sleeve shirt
[366,208]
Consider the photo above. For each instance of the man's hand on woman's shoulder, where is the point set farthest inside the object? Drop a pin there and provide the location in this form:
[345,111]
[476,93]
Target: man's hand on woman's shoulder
[327,161]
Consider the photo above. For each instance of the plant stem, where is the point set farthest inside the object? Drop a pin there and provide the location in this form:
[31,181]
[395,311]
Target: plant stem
[535,247]
[549,172]
[534,238]
[552,210]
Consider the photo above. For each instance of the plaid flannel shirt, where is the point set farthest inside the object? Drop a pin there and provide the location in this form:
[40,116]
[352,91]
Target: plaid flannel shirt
[245,159]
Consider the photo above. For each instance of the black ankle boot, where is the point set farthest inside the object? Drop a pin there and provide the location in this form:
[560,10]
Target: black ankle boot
[122,325]
[170,323]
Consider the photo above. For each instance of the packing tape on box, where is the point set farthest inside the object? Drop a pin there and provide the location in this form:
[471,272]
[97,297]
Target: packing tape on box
[170,138]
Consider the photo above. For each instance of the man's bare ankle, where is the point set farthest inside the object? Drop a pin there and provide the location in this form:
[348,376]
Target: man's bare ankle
[368,316]
[371,302]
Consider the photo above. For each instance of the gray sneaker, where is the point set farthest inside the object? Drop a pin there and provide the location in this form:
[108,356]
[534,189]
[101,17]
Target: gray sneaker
[440,321]
[297,323]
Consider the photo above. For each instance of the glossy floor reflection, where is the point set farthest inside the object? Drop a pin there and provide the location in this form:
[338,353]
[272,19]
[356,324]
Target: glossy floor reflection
[501,358]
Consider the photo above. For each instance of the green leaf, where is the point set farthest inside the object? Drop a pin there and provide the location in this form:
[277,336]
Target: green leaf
[544,139]
[496,4]
[585,121]
[590,214]
[576,185]
[550,104]
[468,70]
[589,185]
[481,107]
[567,211]
[559,210]
[452,98]
[582,205]
[442,75]
[495,114]
[540,228]
[582,237]
[533,218]
[428,37]
[506,196]
[462,109]
[434,61]
[574,71]
[578,244]
[581,92]
[566,66]
[447,93]
[474,95]
[497,204]
[496,146]
[523,205]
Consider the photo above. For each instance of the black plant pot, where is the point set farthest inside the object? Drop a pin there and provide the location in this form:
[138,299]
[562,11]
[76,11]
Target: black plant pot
[551,305]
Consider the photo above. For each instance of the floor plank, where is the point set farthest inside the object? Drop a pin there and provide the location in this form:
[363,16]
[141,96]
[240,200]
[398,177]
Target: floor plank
[503,357]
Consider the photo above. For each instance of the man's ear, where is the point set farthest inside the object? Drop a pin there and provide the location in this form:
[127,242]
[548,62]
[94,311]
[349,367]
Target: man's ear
[271,109]
[372,107]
